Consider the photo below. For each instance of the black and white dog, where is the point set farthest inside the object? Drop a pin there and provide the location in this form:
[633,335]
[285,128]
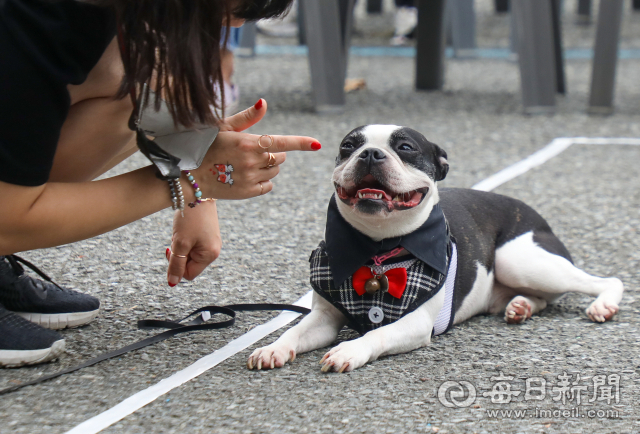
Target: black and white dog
[454,253]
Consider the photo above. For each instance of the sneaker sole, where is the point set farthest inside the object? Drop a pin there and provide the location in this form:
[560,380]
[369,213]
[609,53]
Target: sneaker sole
[17,358]
[56,321]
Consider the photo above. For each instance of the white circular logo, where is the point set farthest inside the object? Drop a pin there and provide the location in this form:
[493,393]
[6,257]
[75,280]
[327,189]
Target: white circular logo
[452,393]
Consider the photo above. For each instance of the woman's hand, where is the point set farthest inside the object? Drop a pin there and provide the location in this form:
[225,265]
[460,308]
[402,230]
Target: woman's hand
[240,165]
[196,240]
[196,236]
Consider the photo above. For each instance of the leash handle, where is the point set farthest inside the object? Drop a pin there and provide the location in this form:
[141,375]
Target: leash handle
[175,328]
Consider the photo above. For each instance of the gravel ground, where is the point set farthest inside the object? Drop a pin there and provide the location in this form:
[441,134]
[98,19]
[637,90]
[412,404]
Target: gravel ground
[589,194]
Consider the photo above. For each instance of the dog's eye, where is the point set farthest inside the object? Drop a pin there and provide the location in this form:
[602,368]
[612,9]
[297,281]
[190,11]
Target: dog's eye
[347,145]
[405,147]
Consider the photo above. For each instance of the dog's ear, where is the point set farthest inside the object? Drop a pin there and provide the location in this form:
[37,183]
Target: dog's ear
[442,165]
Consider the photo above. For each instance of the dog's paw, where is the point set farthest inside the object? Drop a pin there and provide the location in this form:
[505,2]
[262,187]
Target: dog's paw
[271,356]
[518,310]
[601,310]
[346,357]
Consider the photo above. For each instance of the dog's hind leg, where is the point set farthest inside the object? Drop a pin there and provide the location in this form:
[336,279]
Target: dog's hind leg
[521,308]
[516,308]
[527,265]
[316,330]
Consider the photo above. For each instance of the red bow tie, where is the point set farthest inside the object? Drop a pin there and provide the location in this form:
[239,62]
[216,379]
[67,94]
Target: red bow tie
[397,280]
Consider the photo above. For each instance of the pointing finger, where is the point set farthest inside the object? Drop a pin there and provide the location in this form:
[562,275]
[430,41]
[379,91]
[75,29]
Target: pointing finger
[286,143]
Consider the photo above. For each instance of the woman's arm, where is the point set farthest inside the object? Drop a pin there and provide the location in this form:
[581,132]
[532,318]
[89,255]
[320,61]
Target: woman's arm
[59,213]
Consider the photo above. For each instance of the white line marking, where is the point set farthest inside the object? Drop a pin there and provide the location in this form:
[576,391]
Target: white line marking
[540,157]
[144,397]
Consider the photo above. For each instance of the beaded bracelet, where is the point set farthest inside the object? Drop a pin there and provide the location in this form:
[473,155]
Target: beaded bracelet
[177,197]
[198,193]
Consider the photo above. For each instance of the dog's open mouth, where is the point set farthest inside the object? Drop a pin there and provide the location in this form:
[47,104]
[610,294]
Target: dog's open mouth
[369,189]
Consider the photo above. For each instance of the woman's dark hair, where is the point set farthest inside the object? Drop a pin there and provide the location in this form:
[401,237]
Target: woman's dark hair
[174,46]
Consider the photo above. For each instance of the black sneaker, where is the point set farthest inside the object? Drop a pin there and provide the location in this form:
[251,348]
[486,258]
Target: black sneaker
[44,303]
[25,343]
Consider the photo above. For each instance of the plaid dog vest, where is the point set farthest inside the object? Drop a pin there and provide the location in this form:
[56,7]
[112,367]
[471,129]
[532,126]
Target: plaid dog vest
[423,282]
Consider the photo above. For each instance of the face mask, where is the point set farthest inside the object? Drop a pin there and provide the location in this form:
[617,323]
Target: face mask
[174,148]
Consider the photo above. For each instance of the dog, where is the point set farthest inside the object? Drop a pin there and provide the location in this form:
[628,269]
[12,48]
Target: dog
[461,253]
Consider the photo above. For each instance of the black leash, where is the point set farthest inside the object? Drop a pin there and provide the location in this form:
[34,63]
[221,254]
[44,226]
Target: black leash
[175,328]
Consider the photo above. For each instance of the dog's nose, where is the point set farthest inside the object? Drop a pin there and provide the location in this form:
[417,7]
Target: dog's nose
[372,155]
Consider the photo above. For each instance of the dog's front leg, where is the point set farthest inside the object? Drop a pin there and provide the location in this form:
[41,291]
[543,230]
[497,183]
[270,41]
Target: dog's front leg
[318,329]
[408,333]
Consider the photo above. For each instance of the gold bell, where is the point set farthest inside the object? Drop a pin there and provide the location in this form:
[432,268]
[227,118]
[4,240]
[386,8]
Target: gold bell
[372,286]
[384,282]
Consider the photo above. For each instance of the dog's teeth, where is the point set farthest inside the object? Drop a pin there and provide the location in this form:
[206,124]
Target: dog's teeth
[359,195]
[397,198]
[379,196]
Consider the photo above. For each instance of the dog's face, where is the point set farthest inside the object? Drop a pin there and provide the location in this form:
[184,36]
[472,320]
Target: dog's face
[385,179]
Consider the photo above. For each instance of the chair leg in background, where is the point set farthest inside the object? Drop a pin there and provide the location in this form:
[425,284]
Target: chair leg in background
[584,12]
[462,17]
[556,13]
[605,57]
[536,54]
[502,6]
[327,28]
[430,44]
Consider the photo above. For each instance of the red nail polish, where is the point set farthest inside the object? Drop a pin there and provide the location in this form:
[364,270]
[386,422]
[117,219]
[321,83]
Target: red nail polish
[172,284]
[315,146]
[258,105]
[167,253]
